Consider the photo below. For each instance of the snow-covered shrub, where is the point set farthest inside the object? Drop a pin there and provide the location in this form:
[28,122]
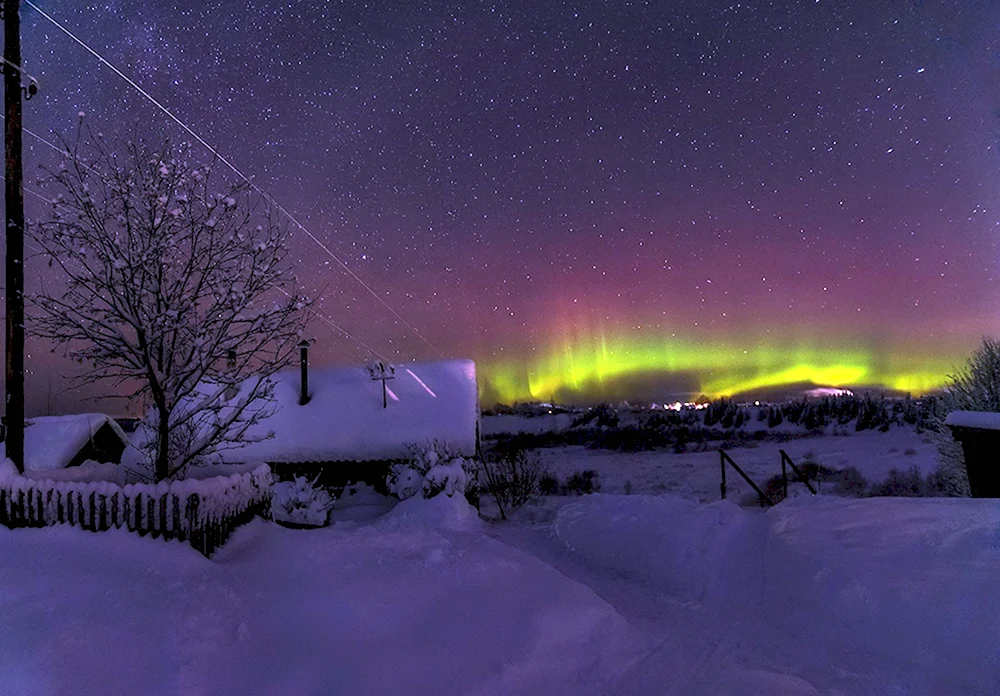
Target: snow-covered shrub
[583,482]
[301,502]
[548,485]
[404,481]
[432,469]
[850,482]
[905,484]
[511,476]
[949,479]
[447,478]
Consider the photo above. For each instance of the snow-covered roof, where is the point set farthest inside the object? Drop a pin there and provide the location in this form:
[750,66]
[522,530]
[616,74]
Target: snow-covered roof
[982,420]
[51,442]
[344,419]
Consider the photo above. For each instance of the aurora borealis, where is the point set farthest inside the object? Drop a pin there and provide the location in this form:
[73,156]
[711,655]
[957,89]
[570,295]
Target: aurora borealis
[591,199]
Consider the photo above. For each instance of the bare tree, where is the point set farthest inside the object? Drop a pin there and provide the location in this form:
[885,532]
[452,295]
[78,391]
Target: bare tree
[176,289]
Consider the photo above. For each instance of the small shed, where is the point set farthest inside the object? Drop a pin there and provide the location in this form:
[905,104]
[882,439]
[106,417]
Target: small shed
[59,442]
[349,424]
[979,434]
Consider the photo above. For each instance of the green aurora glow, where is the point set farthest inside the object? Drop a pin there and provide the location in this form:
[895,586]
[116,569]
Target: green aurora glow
[588,370]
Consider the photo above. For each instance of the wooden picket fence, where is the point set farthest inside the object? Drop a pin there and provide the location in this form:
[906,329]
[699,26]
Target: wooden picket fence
[145,510]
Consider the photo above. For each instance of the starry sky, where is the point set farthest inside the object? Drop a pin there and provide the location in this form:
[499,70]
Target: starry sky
[591,199]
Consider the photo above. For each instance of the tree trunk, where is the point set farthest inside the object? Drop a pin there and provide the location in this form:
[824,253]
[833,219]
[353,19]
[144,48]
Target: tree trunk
[162,445]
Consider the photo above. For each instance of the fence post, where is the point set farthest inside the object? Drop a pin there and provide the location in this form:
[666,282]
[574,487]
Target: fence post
[151,515]
[722,463]
[140,527]
[196,533]
[162,510]
[784,477]
[178,527]
[102,512]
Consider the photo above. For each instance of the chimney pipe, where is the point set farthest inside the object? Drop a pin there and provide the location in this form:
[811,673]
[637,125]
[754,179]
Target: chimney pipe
[304,372]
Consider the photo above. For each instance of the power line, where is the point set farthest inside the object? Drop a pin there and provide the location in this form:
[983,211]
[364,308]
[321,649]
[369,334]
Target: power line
[238,173]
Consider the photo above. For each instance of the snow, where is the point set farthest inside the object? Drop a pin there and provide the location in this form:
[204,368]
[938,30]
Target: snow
[973,419]
[300,503]
[696,475]
[413,609]
[51,442]
[87,471]
[817,595]
[612,595]
[600,594]
[218,496]
[609,594]
[344,418]
[449,478]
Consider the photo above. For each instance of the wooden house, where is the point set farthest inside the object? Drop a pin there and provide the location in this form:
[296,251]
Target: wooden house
[349,424]
[60,442]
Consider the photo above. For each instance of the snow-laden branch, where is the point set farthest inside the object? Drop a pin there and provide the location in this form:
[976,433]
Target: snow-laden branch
[172,281]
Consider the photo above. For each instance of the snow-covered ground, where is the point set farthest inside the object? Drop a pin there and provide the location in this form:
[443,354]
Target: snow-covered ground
[604,594]
[396,606]
[696,475]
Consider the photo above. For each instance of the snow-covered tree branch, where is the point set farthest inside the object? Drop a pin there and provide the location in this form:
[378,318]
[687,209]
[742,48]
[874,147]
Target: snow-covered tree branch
[176,287]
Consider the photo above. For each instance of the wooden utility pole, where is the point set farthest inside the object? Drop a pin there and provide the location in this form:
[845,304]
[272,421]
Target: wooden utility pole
[14,201]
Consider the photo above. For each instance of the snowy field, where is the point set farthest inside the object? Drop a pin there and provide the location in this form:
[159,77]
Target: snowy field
[653,593]
[696,475]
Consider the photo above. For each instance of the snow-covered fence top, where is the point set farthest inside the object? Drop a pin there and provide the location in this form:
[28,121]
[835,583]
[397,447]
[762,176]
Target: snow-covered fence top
[204,512]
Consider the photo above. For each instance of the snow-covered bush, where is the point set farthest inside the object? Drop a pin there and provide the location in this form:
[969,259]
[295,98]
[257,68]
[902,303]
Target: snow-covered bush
[301,502]
[583,482]
[432,469]
[902,484]
[404,481]
[447,478]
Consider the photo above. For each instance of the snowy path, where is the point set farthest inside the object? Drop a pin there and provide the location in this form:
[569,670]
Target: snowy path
[817,596]
[691,647]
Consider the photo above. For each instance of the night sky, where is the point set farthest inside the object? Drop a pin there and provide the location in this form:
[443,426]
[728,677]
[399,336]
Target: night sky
[592,200]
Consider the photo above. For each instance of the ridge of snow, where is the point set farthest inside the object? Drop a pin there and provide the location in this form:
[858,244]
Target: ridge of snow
[982,420]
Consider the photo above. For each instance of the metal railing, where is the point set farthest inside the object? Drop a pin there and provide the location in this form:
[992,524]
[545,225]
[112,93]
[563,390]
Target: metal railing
[726,459]
[765,499]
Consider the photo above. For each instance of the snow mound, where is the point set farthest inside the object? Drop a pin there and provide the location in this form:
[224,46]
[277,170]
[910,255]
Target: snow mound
[440,512]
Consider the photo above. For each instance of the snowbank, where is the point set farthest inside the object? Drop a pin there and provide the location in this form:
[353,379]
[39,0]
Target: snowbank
[819,595]
[373,611]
